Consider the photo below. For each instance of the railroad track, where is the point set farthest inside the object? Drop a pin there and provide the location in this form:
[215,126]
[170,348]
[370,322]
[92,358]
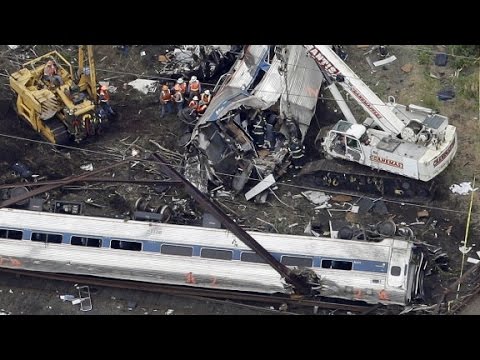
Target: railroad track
[206,294]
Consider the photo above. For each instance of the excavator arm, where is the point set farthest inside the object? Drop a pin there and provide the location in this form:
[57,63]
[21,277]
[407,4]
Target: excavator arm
[86,71]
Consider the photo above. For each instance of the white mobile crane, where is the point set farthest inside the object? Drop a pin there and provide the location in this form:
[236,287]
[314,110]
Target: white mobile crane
[411,141]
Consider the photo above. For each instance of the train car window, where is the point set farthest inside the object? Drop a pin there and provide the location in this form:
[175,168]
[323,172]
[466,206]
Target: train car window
[45,237]
[86,241]
[126,245]
[176,250]
[337,264]
[11,234]
[216,254]
[395,271]
[297,261]
[251,257]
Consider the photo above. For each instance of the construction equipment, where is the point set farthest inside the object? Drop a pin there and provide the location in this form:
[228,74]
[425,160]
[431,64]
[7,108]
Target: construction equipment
[411,141]
[59,112]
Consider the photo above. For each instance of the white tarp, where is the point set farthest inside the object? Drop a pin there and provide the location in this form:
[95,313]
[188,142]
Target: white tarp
[144,86]
[463,189]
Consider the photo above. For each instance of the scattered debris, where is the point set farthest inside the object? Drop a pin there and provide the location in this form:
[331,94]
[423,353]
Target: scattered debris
[87,167]
[464,250]
[341,198]
[261,186]
[144,86]
[449,230]
[387,228]
[446,94]
[385,61]
[370,63]
[67,297]
[22,170]
[131,305]
[422,214]
[379,207]
[463,188]
[441,59]
[355,209]
[84,298]
[316,197]
[365,204]
[407,68]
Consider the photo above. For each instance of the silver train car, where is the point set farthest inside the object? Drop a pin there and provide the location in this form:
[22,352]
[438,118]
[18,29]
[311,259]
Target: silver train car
[388,272]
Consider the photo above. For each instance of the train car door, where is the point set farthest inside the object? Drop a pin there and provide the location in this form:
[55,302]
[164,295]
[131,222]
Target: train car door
[397,268]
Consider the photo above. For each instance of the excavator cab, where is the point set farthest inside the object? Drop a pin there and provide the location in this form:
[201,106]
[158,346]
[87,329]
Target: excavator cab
[59,110]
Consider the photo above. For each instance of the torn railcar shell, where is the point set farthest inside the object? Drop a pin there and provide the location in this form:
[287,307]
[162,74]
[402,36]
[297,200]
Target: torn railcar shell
[242,125]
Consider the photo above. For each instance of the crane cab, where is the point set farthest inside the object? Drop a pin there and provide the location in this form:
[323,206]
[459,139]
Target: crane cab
[346,141]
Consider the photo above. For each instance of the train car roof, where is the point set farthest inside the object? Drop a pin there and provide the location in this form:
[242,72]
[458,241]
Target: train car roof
[192,235]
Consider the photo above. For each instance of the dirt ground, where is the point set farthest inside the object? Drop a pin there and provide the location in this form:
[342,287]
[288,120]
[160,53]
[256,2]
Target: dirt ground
[139,122]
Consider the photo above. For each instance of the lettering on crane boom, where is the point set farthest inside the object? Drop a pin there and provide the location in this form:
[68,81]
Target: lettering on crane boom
[323,62]
[386,161]
[365,102]
[442,157]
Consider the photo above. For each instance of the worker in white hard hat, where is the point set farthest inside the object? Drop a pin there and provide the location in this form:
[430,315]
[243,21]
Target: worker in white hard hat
[204,101]
[180,86]
[205,97]
[193,104]
[194,87]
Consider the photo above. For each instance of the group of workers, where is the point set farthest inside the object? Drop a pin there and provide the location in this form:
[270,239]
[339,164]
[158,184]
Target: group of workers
[182,93]
[262,127]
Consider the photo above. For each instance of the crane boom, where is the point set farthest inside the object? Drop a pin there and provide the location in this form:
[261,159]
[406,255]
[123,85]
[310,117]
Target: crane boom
[331,64]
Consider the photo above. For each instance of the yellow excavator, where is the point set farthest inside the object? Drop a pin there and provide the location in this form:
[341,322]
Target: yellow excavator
[64,110]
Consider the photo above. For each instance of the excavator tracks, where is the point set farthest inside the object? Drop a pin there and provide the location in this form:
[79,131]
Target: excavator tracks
[346,177]
[57,130]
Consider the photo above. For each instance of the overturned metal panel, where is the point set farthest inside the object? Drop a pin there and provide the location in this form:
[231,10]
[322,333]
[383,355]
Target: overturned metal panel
[303,85]
[246,70]
[229,99]
[272,85]
[216,108]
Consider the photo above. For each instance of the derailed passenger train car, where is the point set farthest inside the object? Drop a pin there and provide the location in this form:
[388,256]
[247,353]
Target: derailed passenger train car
[388,272]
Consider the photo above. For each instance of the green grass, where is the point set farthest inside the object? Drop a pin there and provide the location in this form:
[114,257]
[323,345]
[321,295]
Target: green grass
[467,85]
[424,57]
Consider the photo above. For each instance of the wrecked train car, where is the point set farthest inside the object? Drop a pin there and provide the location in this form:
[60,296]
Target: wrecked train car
[206,62]
[389,272]
[257,120]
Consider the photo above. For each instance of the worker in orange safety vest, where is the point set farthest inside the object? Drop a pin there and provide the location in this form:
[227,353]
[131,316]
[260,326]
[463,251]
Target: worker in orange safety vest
[166,105]
[194,88]
[104,99]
